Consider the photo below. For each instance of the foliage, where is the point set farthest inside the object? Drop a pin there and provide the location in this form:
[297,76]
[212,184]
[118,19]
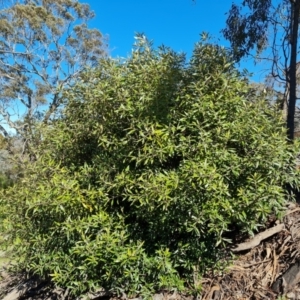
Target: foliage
[5,181]
[9,168]
[270,28]
[44,46]
[154,161]
[248,30]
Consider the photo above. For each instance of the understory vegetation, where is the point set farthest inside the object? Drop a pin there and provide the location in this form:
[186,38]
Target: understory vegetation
[151,165]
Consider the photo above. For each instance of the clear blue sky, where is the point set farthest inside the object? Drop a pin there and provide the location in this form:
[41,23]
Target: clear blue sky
[174,23]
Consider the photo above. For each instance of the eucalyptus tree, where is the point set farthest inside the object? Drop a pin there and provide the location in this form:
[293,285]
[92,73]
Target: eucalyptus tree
[269,30]
[44,47]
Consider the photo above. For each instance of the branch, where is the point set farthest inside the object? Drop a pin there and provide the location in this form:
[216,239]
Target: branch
[4,131]
[56,99]
[7,119]
[258,238]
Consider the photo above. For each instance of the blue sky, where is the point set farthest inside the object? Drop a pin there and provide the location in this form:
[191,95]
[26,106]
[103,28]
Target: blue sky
[174,23]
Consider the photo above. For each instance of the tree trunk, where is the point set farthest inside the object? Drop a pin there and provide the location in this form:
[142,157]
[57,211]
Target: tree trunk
[292,72]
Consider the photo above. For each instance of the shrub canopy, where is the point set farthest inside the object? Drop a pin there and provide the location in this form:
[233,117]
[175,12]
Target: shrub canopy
[139,183]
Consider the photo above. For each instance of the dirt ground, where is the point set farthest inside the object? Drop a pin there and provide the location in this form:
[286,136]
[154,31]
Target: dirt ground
[266,266]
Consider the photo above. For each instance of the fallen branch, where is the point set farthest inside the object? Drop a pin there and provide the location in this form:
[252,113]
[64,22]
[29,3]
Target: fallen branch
[292,211]
[258,238]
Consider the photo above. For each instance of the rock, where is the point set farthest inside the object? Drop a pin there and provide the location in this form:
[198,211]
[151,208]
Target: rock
[291,295]
[158,297]
[288,280]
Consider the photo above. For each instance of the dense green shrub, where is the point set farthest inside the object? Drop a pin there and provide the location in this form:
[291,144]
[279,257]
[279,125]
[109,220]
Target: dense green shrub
[152,162]
[5,181]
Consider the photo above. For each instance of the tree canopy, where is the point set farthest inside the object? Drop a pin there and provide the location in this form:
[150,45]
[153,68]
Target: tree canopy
[44,46]
[273,26]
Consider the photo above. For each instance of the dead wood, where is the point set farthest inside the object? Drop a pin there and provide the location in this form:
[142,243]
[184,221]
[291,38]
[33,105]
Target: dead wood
[255,241]
[266,271]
